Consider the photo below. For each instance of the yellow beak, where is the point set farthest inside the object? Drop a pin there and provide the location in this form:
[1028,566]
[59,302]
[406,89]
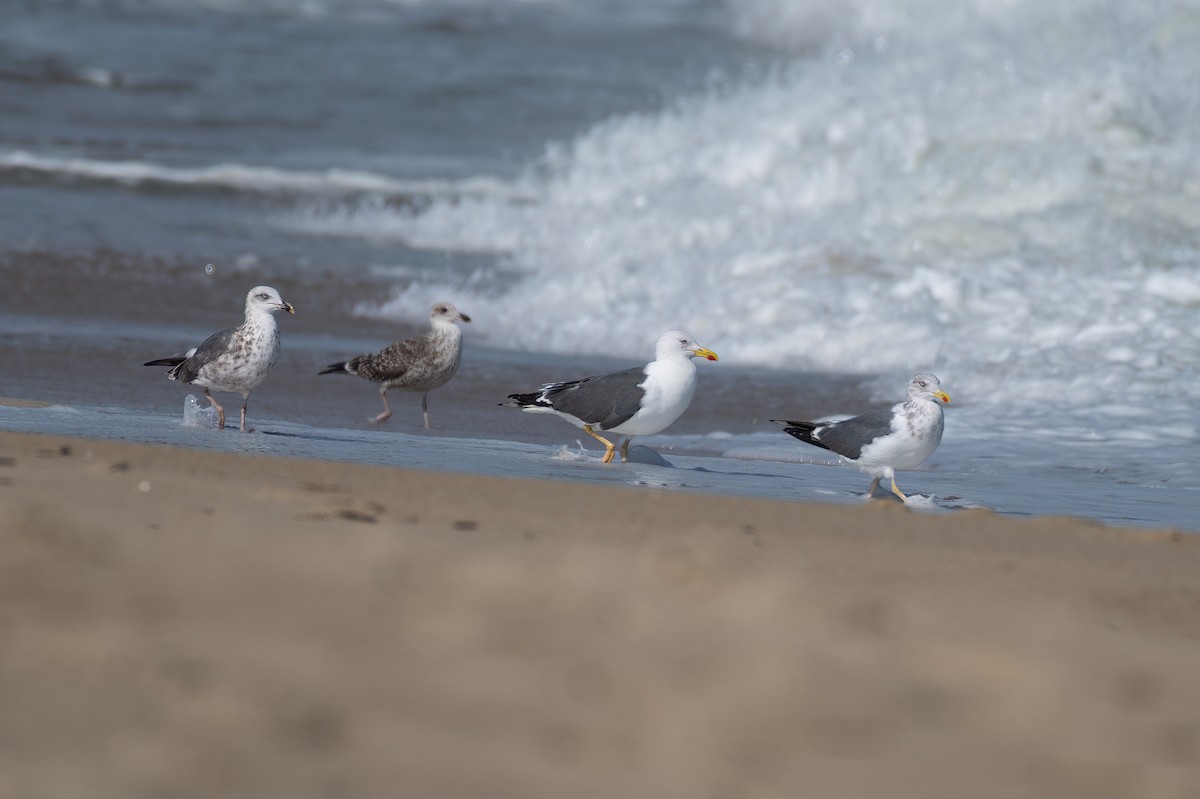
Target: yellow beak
[701,352]
[943,396]
[287,306]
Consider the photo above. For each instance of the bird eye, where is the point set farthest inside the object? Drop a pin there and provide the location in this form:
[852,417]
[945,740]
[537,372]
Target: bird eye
[263,297]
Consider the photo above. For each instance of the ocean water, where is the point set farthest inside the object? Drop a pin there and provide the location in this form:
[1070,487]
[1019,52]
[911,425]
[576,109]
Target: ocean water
[830,195]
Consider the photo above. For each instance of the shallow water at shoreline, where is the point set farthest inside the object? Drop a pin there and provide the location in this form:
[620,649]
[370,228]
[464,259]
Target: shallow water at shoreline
[760,462]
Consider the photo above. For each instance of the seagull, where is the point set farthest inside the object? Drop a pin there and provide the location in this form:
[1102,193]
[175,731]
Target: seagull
[634,402]
[881,441]
[414,364]
[237,359]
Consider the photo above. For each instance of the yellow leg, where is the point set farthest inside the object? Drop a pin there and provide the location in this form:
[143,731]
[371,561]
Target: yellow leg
[625,451]
[609,448]
[896,490]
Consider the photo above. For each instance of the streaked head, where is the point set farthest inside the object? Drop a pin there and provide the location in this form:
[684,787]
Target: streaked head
[264,299]
[677,342]
[925,384]
[445,312]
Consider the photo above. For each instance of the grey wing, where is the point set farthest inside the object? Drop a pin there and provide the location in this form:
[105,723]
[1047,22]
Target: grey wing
[213,347]
[848,437]
[605,401]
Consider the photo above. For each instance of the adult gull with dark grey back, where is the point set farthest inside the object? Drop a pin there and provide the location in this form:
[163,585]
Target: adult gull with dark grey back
[237,359]
[634,402]
[881,441]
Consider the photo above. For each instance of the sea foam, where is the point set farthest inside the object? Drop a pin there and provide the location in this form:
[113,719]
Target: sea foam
[1004,193]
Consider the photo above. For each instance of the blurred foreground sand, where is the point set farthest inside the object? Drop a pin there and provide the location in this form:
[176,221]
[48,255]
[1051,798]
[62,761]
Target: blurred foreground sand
[177,623]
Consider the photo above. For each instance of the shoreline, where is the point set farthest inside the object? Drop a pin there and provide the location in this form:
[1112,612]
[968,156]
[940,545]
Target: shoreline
[773,466]
[1061,467]
[182,619]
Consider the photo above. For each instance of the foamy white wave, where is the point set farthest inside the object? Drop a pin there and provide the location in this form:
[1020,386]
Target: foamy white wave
[241,177]
[1007,195]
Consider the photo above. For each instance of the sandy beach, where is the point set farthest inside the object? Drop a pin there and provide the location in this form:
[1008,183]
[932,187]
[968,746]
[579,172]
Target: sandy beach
[183,623]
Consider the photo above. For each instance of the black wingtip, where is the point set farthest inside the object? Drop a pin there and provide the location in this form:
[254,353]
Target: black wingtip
[800,430]
[523,399]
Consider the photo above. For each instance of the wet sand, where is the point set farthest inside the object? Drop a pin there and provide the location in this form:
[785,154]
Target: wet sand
[184,623]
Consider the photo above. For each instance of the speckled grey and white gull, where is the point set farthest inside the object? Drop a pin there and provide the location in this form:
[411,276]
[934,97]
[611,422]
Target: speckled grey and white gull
[414,364]
[636,402]
[881,441]
[237,359]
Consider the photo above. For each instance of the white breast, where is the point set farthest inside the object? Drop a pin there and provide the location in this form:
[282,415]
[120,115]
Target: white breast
[253,353]
[669,386]
[916,433]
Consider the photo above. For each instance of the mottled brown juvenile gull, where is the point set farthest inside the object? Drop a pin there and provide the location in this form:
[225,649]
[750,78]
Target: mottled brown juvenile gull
[237,359]
[881,441]
[414,364]
[640,401]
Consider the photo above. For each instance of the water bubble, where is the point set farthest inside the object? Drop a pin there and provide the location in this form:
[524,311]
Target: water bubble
[209,269]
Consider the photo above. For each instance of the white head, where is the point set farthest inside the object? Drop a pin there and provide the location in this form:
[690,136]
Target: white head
[676,343]
[264,299]
[445,314]
[926,386]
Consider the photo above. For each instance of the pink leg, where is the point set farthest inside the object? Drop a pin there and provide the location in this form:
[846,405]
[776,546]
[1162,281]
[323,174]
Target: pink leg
[387,412]
[220,410]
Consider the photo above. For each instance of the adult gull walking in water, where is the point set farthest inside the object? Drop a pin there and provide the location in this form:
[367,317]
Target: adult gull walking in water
[237,359]
[881,441]
[414,364]
[634,402]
